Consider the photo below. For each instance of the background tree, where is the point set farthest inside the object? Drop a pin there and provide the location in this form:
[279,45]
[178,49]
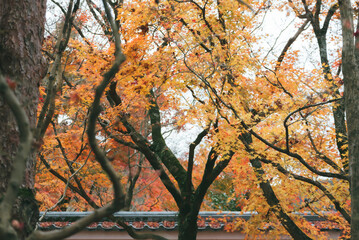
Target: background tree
[199,61]
[150,78]
[326,180]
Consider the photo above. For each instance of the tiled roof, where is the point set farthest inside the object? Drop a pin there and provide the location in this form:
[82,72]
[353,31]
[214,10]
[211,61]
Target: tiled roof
[144,221]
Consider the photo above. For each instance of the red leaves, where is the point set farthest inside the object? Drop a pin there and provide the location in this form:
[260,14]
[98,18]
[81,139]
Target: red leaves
[17,225]
[75,97]
[12,84]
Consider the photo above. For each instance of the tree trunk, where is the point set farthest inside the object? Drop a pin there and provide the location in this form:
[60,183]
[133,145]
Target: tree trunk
[22,64]
[187,225]
[351,93]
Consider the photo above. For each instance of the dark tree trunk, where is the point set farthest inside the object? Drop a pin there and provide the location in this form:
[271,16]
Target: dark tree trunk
[21,62]
[187,224]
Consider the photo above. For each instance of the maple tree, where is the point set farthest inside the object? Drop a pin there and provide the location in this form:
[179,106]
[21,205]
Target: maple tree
[234,120]
[287,139]
[305,137]
[151,52]
[182,63]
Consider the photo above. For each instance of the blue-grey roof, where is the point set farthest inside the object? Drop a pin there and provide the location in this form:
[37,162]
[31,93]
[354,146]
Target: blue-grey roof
[159,216]
[163,220]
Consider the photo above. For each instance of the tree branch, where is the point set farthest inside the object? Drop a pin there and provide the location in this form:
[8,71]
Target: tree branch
[119,196]
[160,147]
[19,165]
[337,204]
[289,43]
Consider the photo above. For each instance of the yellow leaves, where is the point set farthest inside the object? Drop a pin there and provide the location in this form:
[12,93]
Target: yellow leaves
[199,72]
[291,5]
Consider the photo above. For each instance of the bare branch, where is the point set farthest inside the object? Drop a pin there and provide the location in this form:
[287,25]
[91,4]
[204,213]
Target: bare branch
[299,110]
[119,196]
[24,150]
[48,108]
[289,43]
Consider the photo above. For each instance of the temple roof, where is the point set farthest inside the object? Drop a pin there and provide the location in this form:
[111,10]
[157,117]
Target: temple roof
[159,221]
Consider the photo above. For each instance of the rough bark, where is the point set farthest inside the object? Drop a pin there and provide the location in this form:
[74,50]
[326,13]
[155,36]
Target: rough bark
[351,93]
[21,62]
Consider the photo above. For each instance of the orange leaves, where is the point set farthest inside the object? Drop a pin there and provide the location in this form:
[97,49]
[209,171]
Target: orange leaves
[82,17]
[202,69]
[74,97]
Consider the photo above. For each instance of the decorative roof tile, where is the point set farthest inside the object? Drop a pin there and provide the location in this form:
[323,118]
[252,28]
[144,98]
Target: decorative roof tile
[159,221]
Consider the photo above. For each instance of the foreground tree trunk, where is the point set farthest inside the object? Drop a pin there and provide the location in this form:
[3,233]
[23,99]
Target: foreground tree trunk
[351,93]
[22,64]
